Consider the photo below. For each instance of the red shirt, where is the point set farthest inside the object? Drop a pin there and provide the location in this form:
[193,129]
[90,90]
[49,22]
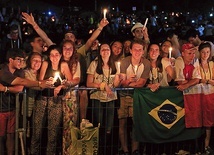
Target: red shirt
[188,71]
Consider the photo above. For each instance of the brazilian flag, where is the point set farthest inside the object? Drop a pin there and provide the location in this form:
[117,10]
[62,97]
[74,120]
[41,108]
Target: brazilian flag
[159,116]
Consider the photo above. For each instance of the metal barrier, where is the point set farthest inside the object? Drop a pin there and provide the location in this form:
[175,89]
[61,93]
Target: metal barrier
[113,146]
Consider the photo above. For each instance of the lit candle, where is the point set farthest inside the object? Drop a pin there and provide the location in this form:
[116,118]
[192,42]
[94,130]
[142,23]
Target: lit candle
[57,76]
[170,52]
[104,13]
[135,69]
[144,26]
[118,66]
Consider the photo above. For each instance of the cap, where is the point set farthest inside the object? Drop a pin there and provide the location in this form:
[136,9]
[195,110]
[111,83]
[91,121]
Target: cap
[70,31]
[187,46]
[137,25]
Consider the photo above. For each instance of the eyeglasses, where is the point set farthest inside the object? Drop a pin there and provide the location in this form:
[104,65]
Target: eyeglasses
[20,60]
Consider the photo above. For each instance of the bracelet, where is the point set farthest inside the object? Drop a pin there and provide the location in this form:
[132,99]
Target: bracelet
[102,86]
[99,29]
[6,89]
[39,83]
[35,26]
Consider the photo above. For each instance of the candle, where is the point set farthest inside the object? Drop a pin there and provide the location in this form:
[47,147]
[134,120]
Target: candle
[170,52]
[135,69]
[145,23]
[118,67]
[104,13]
[57,76]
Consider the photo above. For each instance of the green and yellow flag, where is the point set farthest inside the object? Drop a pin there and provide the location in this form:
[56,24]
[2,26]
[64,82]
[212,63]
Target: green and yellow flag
[159,116]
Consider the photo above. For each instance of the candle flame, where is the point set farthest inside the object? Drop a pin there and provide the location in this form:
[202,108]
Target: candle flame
[57,75]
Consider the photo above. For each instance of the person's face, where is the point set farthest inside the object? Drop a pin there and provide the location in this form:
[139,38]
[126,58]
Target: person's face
[36,62]
[127,46]
[117,48]
[174,38]
[205,53]
[165,46]
[105,51]
[37,45]
[14,34]
[70,36]
[55,56]
[137,51]
[68,51]
[138,33]
[154,52]
[95,44]
[17,62]
[188,55]
[193,40]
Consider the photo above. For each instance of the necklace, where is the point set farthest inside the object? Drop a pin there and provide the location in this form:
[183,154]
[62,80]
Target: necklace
[106,76]
[155,75]
[205,71]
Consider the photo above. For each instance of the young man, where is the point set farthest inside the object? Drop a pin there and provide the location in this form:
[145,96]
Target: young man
[12,78]
[134,74]
[193,37]
[140,32]
[11,40]
[187,68]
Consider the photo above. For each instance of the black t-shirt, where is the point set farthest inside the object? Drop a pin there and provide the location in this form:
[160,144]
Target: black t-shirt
[8,102]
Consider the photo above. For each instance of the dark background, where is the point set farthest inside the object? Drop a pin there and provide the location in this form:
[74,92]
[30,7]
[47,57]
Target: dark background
[123,5]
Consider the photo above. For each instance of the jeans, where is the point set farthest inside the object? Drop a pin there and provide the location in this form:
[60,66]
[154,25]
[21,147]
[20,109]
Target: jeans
[103,111]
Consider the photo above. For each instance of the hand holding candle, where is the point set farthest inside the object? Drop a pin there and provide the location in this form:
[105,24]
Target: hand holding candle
[56,77]
[170,52]
[104,13]
[144,26]
[135,69]
[118,67]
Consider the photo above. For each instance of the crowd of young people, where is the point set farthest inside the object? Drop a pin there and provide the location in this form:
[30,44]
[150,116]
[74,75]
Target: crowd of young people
[135,63]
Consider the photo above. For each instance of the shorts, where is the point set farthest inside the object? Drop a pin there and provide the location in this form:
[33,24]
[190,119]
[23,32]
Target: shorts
[7,122]
[126,107]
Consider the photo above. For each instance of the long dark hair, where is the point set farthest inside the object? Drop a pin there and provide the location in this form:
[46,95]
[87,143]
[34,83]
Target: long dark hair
[159,58]
[73,61]
[202,46]
[116,58]
[111,62]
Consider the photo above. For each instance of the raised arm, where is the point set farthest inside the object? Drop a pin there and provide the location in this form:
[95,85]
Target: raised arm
[96,33]
[30,19]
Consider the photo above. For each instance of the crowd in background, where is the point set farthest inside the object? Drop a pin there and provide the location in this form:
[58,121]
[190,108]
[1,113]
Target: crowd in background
[117,51]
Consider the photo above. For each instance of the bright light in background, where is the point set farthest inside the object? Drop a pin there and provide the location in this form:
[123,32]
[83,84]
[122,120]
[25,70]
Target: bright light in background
[211,14]
[49,12]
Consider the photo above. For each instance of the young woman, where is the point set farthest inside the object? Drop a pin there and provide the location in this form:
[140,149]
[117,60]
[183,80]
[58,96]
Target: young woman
[70,106]
[102,75]
[117,50]
[31,71]
[162,71]
[165,45]
[33,65]
[48,105]
[207,70]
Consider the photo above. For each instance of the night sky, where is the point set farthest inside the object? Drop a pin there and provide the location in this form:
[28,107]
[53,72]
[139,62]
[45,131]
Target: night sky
[126,5]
